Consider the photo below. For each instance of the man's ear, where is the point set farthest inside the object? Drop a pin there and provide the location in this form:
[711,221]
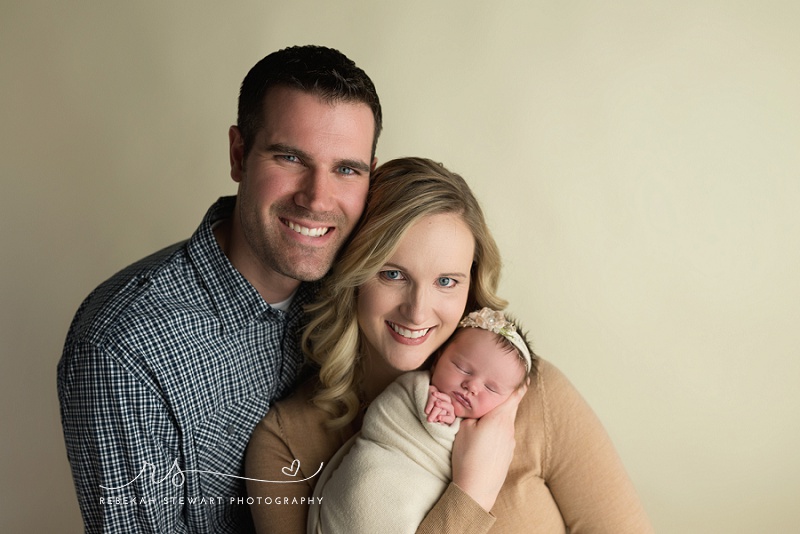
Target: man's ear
[374,164]
[236,152]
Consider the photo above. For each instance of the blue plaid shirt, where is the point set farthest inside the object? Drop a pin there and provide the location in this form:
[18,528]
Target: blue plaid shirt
[166,370]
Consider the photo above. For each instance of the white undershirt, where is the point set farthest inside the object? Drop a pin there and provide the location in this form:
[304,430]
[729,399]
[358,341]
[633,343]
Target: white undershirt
[284,304]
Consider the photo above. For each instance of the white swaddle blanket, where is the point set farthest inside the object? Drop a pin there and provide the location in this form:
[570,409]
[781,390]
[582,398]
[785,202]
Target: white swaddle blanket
[387,477]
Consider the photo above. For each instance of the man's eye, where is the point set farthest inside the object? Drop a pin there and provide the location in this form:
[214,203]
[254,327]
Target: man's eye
[290,158]
[347,171]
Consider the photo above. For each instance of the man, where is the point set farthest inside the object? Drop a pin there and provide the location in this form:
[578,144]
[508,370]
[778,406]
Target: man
[169,365]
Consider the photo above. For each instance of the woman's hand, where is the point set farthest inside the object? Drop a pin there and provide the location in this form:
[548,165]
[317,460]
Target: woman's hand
[483,450]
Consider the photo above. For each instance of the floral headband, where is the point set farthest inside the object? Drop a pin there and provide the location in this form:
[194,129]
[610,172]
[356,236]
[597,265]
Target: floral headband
[495,321]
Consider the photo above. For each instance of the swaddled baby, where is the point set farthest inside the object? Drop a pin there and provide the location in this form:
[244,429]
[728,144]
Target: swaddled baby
[387,477]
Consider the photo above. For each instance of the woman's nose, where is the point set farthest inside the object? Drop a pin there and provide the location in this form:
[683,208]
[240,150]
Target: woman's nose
[415,307]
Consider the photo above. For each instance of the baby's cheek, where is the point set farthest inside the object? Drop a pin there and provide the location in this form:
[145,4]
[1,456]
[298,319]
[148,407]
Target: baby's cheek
[494,402]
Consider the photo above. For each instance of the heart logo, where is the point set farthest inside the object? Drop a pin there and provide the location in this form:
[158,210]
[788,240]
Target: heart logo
[292,470]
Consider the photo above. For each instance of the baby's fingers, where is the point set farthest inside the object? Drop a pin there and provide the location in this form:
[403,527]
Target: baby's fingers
[434,415]
[432,391]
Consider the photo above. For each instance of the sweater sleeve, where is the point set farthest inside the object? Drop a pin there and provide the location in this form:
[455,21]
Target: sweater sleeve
[456,513]
[285,455]
[582,468]
[268,454]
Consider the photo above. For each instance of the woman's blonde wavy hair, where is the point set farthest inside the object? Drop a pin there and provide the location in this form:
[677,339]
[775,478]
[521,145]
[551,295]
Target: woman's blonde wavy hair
[402,192]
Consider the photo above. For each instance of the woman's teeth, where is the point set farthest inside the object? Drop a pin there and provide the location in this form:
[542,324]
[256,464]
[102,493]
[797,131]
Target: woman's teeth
[411,334]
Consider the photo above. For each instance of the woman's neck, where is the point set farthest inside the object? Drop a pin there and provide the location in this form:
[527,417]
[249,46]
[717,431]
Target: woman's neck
[376,377]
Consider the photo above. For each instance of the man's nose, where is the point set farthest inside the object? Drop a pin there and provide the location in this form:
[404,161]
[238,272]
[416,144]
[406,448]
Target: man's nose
[315,191]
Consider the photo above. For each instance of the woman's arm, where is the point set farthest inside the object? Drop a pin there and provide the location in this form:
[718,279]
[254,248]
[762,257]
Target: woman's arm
[482,452]
[269,457]
[583,471]
[293,431]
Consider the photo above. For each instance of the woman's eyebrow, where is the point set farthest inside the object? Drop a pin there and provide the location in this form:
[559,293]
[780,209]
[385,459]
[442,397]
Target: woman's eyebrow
[392,265]
[453,275]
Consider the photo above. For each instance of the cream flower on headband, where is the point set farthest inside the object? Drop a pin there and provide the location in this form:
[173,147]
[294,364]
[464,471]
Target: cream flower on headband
[495,321]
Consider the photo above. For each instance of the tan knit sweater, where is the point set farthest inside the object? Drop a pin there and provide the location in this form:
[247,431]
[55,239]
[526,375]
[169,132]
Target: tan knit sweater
[565,471]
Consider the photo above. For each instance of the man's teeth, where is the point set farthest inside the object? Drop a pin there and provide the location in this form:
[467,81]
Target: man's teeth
[411,334]
[313,232]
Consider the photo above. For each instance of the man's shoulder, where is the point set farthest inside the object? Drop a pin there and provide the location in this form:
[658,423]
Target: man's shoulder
[134,295]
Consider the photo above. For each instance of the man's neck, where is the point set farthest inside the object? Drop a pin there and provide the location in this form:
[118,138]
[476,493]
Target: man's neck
[273,287]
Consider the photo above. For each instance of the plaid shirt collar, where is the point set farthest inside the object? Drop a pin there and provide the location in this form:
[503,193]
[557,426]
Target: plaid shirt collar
[237,302]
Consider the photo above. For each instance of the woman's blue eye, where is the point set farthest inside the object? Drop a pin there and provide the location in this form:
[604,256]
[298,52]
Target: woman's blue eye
[392,275]
[446,281]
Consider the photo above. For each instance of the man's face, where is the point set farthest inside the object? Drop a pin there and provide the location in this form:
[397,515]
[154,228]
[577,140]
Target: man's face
[302,187]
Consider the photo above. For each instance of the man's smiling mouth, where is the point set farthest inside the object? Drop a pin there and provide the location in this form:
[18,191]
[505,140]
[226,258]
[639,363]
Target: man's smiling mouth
[305,230]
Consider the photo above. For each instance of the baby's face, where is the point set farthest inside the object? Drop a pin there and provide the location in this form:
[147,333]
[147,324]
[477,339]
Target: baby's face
[477,372]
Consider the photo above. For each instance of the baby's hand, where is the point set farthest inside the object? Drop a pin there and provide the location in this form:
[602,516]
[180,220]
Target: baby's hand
[439,407]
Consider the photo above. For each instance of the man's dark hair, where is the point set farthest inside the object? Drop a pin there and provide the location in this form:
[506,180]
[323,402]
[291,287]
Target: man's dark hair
[324,72]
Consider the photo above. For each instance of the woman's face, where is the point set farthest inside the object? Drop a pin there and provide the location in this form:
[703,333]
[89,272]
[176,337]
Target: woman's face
[414,303]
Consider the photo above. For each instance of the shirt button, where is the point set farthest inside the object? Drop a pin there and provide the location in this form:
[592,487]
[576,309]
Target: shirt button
[231,430]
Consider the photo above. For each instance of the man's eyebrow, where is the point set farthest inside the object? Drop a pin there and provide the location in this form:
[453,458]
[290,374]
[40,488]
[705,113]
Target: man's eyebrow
[288,149]
[355,164]
[305,156]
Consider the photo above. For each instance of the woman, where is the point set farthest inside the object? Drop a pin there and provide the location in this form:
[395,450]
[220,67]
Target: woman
[421,256]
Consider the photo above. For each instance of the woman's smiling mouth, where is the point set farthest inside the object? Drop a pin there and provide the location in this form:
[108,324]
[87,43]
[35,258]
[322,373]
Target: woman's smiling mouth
[407,333]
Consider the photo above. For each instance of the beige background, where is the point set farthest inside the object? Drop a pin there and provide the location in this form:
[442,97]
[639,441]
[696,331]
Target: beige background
[639,163]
